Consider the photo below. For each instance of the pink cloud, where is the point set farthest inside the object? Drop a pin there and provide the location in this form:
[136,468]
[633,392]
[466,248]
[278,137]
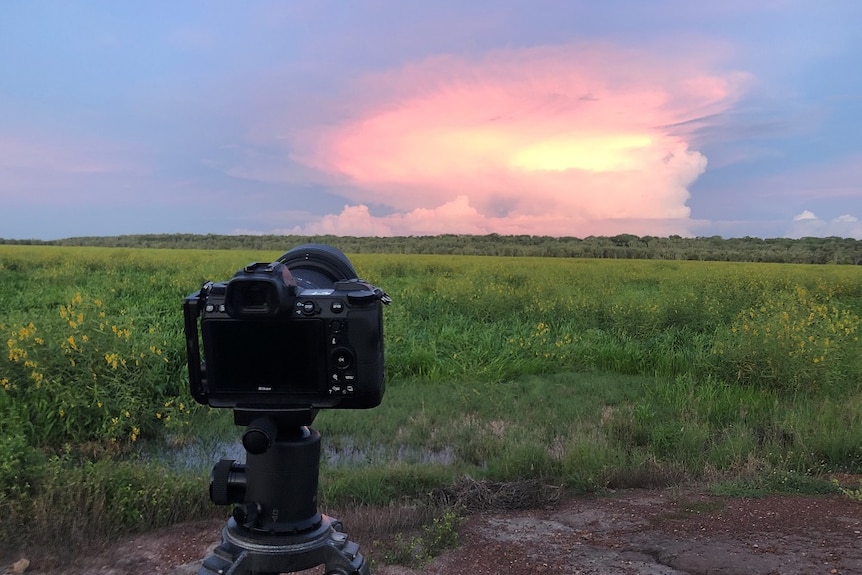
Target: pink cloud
[566,140]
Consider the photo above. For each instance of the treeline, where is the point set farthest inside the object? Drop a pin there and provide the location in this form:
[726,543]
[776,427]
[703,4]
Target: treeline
[830,250]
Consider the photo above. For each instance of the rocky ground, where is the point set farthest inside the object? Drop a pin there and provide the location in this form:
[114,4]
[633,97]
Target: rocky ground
[638,532]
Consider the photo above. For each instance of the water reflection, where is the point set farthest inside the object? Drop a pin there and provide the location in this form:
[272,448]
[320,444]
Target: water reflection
[345,451]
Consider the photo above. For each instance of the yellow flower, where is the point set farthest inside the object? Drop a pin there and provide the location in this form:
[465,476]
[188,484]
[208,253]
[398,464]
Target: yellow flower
[112,359]
[16,353]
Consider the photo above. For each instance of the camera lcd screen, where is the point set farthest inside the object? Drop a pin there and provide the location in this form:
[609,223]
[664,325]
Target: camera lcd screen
[265,356]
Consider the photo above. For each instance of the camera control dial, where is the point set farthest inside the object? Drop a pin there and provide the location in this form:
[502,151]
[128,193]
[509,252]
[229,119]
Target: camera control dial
[342,358]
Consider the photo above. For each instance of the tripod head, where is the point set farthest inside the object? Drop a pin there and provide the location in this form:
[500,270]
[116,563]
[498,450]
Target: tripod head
[275,491]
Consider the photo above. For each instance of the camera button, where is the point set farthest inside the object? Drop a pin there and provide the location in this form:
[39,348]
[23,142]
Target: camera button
[342,358]
[337,306]
[308,308]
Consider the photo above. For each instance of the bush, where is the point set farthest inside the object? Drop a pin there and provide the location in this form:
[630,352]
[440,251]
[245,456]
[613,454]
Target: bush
[89,373]
[792,340]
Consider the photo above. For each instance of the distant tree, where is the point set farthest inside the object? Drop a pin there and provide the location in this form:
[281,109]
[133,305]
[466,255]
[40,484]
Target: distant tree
[831,250]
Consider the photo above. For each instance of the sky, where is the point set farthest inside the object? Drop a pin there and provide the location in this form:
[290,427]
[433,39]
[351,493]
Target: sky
[391,118]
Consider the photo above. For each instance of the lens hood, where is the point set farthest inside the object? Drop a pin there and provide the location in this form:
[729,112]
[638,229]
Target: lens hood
[317,265]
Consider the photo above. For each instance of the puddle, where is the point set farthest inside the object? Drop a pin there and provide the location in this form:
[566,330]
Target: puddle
[345,452]
[336,453]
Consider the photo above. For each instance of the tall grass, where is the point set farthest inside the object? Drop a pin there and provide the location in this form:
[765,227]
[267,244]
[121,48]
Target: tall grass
[588,374]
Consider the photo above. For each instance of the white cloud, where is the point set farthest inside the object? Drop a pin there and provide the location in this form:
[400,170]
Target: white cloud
[806,215]
[807,224]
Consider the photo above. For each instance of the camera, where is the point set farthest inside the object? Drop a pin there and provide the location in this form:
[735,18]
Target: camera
[300,333]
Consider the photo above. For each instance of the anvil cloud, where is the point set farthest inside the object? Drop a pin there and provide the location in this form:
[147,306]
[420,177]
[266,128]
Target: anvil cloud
[575,140]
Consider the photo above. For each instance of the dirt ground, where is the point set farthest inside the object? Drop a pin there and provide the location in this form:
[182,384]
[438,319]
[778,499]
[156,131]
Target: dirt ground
[638,532]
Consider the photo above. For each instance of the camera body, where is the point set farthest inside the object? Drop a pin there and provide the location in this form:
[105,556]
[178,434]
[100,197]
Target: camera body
[295,334]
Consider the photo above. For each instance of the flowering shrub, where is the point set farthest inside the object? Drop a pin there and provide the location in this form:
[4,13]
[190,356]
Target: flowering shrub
[89,373]
[793,339]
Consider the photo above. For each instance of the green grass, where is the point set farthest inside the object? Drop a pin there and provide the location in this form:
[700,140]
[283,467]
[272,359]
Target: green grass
[581,373]
[590,431]
[66,503]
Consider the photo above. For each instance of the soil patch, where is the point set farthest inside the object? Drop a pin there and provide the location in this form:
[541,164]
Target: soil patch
[638,532]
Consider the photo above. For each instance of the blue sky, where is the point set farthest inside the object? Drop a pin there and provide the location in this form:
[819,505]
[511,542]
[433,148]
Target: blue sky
[414,118]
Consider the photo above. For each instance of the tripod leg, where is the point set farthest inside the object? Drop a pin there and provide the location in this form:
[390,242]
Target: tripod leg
[340,556]
[225,559]
[363,570]
[338,564]
[239,554]
[214,565]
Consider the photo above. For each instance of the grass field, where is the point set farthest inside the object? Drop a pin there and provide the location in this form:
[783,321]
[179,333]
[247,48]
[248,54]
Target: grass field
[587,374]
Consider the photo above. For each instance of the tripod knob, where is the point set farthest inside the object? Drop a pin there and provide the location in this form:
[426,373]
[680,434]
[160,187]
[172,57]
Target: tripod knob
[227,482]
[246,513]
[259,435]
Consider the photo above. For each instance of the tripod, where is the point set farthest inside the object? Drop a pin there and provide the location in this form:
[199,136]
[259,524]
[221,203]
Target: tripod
[275,526]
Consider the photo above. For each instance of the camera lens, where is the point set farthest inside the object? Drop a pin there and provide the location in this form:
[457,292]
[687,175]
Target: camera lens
[317,265]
